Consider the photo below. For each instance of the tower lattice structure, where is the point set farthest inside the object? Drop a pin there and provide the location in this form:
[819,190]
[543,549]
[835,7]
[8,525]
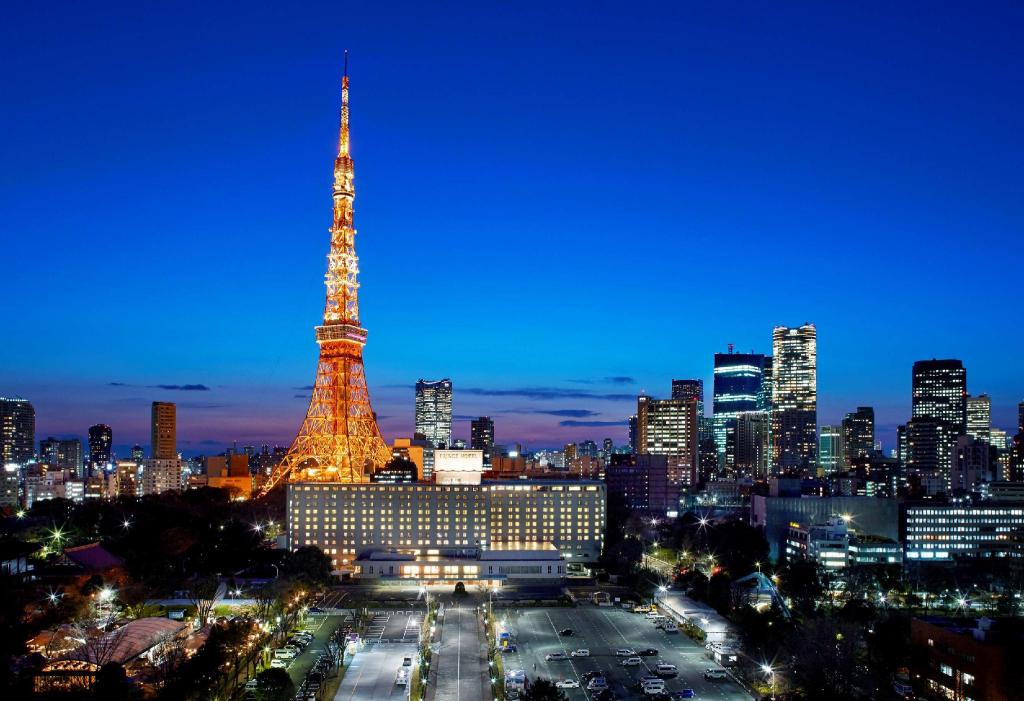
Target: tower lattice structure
[339,440]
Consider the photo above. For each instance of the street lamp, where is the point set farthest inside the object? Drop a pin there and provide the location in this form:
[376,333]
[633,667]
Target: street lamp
[767,669]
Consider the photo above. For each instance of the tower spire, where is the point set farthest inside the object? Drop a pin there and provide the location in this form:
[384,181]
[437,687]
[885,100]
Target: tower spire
[342,263]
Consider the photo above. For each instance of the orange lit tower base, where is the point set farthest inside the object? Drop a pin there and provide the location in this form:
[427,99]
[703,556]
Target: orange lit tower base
[339,440]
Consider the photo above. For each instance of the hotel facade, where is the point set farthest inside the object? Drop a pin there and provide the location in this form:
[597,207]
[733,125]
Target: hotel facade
[447,529]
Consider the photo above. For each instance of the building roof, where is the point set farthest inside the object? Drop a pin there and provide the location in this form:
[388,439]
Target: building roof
[93,557]
[129,641]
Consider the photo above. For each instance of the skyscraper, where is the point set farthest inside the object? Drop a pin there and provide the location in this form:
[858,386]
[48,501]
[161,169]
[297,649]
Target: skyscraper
[65,454]
[795,396]
[752,452]
[738,378]
[690,389]
[164,445]
[17,431]
[481,437]
[831,455]
[669,427]
[940,392]
[939,410]
[101,438]
[434,411]
[979,418]
[632,435]
[858,434]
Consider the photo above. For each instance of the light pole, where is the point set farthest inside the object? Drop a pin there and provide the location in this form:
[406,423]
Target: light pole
[767,668]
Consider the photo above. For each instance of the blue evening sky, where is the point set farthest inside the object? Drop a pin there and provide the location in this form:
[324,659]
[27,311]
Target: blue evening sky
[558,204]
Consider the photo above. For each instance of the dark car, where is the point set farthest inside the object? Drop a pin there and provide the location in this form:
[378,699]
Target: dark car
[567,632]
[649,652]
[587,676]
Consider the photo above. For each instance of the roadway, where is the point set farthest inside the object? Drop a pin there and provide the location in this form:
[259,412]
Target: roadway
[460,670]
[371,673]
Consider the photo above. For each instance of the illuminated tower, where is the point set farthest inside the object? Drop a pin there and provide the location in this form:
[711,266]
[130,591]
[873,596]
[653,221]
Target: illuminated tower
[339,440]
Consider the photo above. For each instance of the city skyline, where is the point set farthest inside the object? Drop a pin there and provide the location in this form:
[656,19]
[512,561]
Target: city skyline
[235,357]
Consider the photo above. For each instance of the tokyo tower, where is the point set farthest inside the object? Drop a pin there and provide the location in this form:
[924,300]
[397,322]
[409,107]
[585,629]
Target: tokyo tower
[339,440]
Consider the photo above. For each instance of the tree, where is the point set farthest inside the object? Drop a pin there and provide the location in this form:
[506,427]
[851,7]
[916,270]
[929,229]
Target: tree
[309,565]
[202,592]
[801,583]
[543,690]
[460,589]
[112,684]
[274,685]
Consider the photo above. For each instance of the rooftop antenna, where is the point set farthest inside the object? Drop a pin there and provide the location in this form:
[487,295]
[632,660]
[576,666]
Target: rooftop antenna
[345,74]
[730,349]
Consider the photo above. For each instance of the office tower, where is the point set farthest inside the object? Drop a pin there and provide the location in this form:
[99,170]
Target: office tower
[17,431]
[794,396]
[568,455]
[669,427]
[738,383]
[137,454]
[434,411]
[481,437]
[608,446]
[690,389]
[161,475]
[979,418]
[752,452]
[1017,451]
[164,438]
[940,393]
[587,448]
[632,434]
[65,454]
[858,434]
[939,410]
[10,486]
[970,464]
[764,397]
[831,455]
[101,438]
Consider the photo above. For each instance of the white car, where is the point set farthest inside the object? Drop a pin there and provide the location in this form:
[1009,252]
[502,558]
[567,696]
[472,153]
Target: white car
[582,652]
[625,652]
[714,673]
[278,663]
[568,684]
[632,662]
[554,656]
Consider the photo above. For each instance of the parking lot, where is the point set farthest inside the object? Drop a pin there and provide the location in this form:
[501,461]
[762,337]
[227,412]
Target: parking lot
[372,673]
[603,631]
[394,626]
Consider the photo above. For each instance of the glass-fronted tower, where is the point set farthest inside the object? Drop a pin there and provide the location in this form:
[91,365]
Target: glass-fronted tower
[738,384]
[434,411]
[795,396]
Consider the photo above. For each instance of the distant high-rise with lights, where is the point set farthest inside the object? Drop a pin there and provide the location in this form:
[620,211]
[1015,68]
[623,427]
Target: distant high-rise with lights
[939,411]
[669,427]
[481,437]
[17,431]
[795,396]
[434,411]
[738,378]
[690,389]
[163,431]
[65,454]
[101,439]
[979,418]
[831,455]
[858,434]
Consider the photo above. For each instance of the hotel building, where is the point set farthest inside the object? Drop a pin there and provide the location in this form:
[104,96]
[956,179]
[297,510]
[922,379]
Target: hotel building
[449,528]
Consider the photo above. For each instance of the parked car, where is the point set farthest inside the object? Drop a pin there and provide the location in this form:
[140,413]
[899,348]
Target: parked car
[649,652]
[666,670]
[714,673]
[597,684]
[625,652]
[688,694]
[632,662]
[555,656]
[582,652]
[279,663]
[567,632]
[587,676]
[568,684]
